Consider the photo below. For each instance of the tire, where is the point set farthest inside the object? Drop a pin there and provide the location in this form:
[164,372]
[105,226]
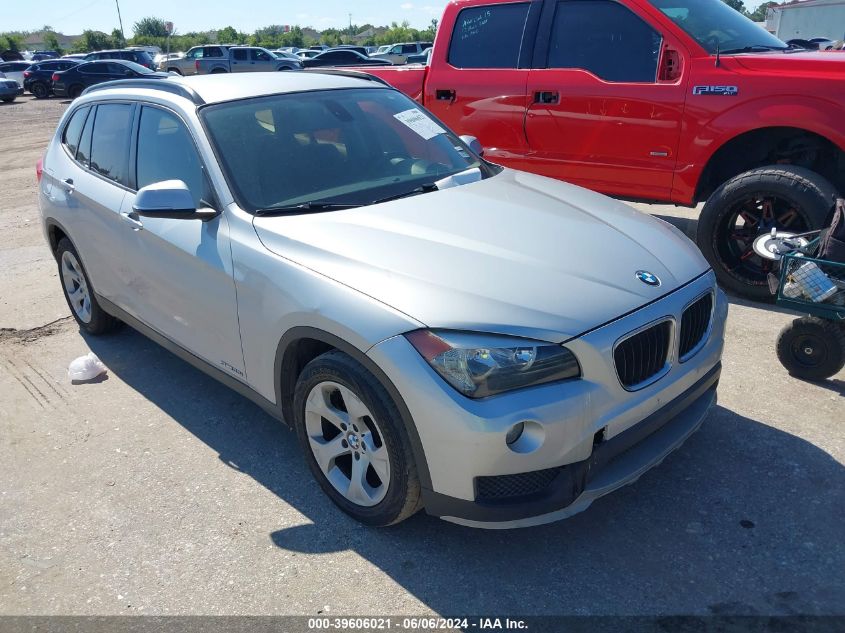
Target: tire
[84,307]
[779,196]
[327,388]
[217,71]
[174,70]
[39,90]
[812,348]
[8,99]
[75,91]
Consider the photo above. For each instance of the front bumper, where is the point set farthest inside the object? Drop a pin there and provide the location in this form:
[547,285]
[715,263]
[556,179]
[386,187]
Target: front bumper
[461,442]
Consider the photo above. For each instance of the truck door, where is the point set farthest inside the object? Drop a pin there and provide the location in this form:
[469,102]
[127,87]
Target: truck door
[477,84]
[606,99]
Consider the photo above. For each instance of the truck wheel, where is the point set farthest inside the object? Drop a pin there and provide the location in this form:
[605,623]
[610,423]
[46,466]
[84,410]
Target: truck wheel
[812,348]
[79,292]
[784,197]
[217,71]
[174,70]
[354,440]
[39,90]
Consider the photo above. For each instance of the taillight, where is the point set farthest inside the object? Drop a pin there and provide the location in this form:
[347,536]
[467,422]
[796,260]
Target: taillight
[27,74]
[55,77]
[39,168]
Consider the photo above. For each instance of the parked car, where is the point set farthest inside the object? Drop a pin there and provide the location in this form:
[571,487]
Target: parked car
[343,57]
[381,50]
[187,65]
[380,303]
[79,56]
[140,57]
[38,56]
[11,56]
[350,47]
[680,117]
[280,54]
[38,78]
[307,53]
[422,58]
[9,89]
[245,59]
[161,60]
[15,70]
[71,82]
[398,53]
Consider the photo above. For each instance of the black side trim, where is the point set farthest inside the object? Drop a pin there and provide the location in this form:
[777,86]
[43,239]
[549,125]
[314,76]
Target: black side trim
[297,333]
[191,359]
[573,478]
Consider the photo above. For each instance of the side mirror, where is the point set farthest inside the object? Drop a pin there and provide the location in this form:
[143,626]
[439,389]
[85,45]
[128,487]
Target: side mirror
[473,143]
[169,199]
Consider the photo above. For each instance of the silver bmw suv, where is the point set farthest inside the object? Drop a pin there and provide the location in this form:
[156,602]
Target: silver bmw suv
[493,346]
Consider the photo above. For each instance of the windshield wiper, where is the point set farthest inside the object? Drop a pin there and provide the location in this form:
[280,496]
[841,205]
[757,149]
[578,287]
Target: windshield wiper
[753,48]
[313,205]
[424,188]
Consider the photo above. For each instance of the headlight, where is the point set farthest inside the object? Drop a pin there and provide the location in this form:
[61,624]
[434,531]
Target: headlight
[480,365]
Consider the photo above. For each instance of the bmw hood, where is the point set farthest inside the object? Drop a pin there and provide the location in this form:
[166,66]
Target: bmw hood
[513,254]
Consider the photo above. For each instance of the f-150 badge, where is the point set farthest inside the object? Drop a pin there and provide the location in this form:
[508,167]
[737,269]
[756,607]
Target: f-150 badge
[725,91]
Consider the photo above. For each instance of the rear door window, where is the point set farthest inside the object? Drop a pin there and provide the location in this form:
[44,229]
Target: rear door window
[606,39]
[110,141]
[99,68]
[239,54]
[73,130]
[488,37]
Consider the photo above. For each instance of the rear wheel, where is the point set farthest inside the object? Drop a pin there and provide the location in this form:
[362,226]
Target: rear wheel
[79,293]
[217,71]
[74,91]
[354,440]
[174,70]
[8,99]
[785,198]
[812,348]
[39,90]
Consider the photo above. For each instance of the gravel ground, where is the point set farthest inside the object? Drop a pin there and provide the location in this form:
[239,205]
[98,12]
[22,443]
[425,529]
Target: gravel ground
[158,491]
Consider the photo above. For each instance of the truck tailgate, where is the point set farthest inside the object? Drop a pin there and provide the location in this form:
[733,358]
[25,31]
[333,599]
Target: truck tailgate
[408,79]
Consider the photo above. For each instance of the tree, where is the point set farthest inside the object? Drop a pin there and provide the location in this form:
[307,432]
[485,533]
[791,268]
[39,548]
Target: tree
[92,41]
[227,35]
[11,42]
[759,14]
[117,39]
[737,5]
[51,42]
[149,27]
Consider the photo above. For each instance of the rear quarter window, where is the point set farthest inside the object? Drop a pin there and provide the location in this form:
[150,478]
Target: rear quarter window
[73,130]
[488,37]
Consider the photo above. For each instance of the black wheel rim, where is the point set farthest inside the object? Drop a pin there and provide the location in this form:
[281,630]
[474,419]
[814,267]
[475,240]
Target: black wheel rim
[743,223]
[39,90]
[808,351]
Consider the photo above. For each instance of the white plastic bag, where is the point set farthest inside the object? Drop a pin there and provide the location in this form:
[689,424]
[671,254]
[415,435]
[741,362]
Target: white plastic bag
[85,368]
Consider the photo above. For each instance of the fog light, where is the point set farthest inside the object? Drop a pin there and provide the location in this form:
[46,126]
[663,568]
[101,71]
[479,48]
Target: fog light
[515,433]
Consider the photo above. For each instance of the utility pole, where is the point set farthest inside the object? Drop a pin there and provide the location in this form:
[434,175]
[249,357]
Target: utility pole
[120,20]
[350,28]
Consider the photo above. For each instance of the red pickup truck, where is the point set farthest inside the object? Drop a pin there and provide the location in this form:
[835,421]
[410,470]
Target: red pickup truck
[678,101]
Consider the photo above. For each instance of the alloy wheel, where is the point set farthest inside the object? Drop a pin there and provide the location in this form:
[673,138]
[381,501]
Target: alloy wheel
[76,287]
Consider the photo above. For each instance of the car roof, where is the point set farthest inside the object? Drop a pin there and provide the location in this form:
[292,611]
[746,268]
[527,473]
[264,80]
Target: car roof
[217,88]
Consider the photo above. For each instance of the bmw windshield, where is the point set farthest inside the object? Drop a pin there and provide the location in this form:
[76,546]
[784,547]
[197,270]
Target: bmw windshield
[332,149]
[715,25]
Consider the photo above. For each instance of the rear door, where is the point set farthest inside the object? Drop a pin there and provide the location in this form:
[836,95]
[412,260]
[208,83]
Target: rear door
[478,84]
[606,99]
[91,174]
[180,271]
[239,60]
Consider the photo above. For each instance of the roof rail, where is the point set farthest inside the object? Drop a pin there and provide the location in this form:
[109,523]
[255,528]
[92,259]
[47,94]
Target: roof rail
[165,85]
[357,74]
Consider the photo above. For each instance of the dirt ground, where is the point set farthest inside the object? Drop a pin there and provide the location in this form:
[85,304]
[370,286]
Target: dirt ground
[158,491]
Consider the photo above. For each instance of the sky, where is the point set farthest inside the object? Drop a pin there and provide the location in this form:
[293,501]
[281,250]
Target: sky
[71,17]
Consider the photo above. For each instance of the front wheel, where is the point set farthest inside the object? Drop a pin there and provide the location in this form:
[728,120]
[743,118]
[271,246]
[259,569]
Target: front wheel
[39,91]
[783,197]
[8,99]
[812,348]
[354,440]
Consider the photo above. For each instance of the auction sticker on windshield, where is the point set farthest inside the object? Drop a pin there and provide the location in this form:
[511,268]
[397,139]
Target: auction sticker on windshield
[420,123]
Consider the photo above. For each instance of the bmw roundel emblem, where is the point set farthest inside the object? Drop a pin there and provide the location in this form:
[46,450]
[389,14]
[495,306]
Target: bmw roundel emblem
[648,278]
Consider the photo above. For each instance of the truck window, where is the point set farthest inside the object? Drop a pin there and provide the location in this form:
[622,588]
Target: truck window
[488,37]
[260,56]
[605,38]
[213,51]
[239,54]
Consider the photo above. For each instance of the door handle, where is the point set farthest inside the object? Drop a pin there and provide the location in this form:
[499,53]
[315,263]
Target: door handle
[446,95]
[68,183]
[132,220]
[546,96]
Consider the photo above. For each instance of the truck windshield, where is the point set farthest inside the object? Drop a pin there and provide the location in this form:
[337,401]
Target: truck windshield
[331,149]
[713,24]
